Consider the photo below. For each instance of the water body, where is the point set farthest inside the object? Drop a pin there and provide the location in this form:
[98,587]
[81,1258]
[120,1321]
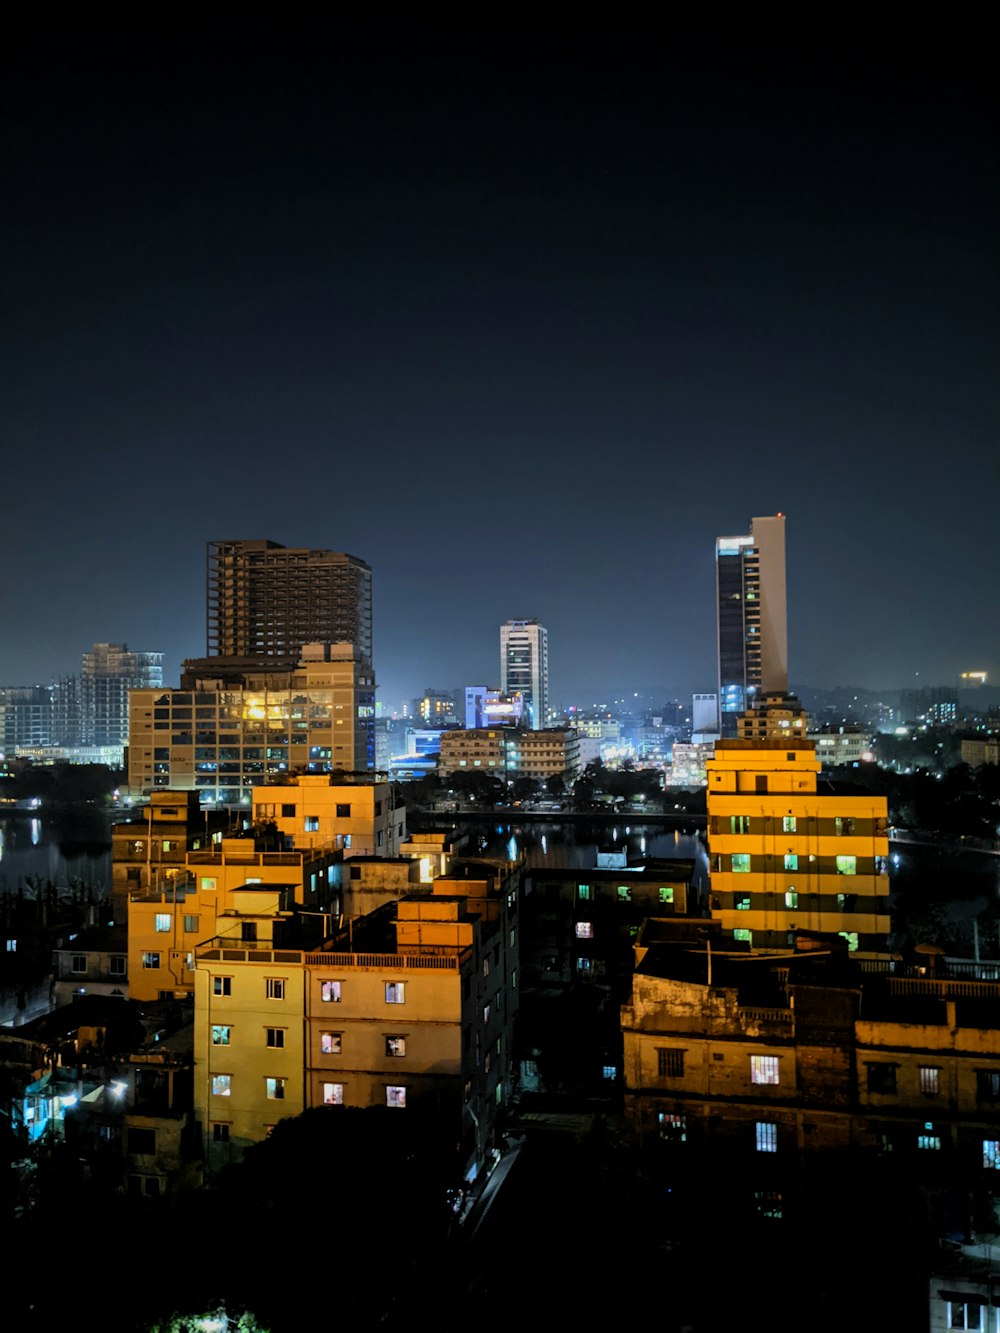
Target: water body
[55,850]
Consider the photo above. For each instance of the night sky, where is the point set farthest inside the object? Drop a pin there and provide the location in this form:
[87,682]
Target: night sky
[525,320]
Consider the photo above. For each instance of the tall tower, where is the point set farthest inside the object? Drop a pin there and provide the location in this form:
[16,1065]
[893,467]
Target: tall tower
[110,671]
[753,619]
[265,601]
[524,667]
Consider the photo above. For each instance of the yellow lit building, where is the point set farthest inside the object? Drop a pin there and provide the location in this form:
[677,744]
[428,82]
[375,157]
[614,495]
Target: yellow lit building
[318,810]
[785,856]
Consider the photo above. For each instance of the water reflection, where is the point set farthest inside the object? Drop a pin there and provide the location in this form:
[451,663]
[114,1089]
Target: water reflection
[36,832]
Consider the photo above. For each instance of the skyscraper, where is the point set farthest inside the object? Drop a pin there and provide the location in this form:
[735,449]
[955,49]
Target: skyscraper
[524,667]
[110,671]
[753,621]
[265,601]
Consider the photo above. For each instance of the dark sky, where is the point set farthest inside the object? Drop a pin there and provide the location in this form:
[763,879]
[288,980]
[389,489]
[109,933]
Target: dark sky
[525,320]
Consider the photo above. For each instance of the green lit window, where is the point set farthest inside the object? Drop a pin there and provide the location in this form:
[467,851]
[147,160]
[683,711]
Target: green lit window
[220,1035]
[666,894]
[740,863]
[624,893]
[792,898]
[743,903]
[583,892]
[788,824]
[743,936]
[851,936]
[847,865]
[739,823]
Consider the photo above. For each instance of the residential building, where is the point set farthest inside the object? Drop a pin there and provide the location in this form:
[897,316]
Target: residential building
[25,718]
[552,752]
[149,850]
[845,745]
[482,748]
[93,962]
[265,602]
[786,856]
[411,1008]
[772,716]
[752,617]
[358,815]
[977,750]
[524,667]
[224,739]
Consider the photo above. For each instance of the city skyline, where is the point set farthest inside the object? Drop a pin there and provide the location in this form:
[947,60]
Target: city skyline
[525,331]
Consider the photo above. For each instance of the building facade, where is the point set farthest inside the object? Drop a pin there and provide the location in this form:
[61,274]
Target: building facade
[109,673]
[752,617]
[524,668]
[266,601]
[785,856]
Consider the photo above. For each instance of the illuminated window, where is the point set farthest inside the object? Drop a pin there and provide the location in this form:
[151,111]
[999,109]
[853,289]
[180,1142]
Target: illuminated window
[739,823]
[333,1094]
[930,1080]
[740,863]
[791,898]
[312,823]
[930,1142]
[329,992]
[742,903]
[222,1085]
[624,893]
[395,992]
[666,894]
[274,988]
[275,1037]
[583,892]
[395,1046]
[583,966]
[12,946]
[669,1062]
[220,1034]
[162,921]
[330,1043]
[788,824]
[764,1069]
[767,1136]
[991,1154]
[851,936]
[843,825]
[150,960]
[584,930]
[791,861]
[395,1095]
[673,1128]
[208,883]
[274,1089]
[222,985]
[847,865]
[743,936]
[965,1314]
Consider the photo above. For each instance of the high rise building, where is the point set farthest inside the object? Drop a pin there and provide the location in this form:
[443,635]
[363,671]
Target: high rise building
[752,620]
[109,672]
[266,601]
[524,667]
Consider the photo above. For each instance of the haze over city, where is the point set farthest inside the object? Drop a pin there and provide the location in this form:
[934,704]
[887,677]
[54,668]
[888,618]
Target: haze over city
[526,334]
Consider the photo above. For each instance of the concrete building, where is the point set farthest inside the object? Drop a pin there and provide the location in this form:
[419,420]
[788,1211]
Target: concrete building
[752,617]
[552,752]
[25,718]
[786,856]
[773,716]
[359,816]
[524,667]
[484,749]
[413,1009]
[109,673]
[265,601]
[224,739]
[846,745]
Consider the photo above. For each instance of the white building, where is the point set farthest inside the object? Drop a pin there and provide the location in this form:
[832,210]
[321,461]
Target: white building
[524,668]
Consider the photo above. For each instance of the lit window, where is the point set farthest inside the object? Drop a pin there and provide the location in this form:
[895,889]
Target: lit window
[673,1128]
[740,863]
[791,898]
[330,1043]
[150,960]
[395,1095]
[163,921]
[791,861]
[220,1035]
[669,1062]
[333,1094]
[584,930]
[847,865]
[222,985]
[788,824]
[991,1154]
[12,946]
[739,823]
[583,891]
[222,1085]
[274,1089]
[312,823]
[930,1142]
[275,1037]
[582,966]
[624,893]
[742,903]
[743,936]
[764,1069]
[609,1071]
[965,1314]
[395,992]
[768,1203]
[395,1046]
[274,988]
[767,1136]
[208,883]
[851,936]
[329,992]
[666,894]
